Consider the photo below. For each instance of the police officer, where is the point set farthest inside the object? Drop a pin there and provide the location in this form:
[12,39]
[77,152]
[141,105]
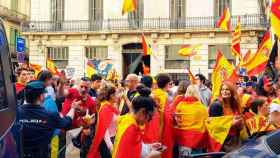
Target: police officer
[37,125]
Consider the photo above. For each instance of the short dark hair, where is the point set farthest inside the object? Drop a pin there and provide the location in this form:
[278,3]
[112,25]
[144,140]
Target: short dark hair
[20,69]
[85,79]
[96,77]
[162,80]
[30,96]
[147,81]
[201,77]
[176,82]
[255,104]
[31,70]
[44,75]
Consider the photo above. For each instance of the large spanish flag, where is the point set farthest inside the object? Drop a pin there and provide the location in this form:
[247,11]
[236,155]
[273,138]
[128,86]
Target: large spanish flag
[258,62]
[222,71]
[224,22]
[189,50]
[147,50]
[52,67]
[37,68]
[236,38]
[275,17]
[190,130]
[128,139]
[218,129]
[129,6]
[105,116]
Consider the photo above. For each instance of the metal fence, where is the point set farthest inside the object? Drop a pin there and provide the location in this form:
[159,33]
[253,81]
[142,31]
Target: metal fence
[193,23]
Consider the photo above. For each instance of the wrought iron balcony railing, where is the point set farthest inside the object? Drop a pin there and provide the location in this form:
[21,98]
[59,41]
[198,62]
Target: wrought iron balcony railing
[193,23]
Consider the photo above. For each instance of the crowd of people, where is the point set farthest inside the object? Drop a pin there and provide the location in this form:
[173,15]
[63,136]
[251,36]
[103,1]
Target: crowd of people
[141,116]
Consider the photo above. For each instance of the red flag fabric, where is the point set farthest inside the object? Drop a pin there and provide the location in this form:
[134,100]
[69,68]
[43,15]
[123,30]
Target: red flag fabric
[128,140]
[236,39]
[225,20]
[147,50]
[104,119]
[275,17]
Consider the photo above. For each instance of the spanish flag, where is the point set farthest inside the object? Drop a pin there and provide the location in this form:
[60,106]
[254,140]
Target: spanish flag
[129,6]
[37,68]
[218,129]
[128,139]
[150,135]
[222,71]
[190,129]
[146,69]
[189,50]
[275,17]
[52,67]
[147,50]
[258,62]
[105,116]
[90,69]
[246,57]
[236,38]
[224,22]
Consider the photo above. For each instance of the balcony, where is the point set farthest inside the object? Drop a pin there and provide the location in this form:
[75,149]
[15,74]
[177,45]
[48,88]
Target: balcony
[147,24]
[12,15]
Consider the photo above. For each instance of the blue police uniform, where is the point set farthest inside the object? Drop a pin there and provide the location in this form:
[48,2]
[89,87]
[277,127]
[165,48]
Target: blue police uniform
[38,125]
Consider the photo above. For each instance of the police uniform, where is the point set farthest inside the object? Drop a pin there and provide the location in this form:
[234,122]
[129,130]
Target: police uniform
[38,125]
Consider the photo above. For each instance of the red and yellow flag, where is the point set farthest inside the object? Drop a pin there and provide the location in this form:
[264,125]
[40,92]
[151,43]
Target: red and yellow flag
[246,57]
[128,140]
[257,63]
[147,50]
[218,129]
[236,39]
[222,71]
[275,17]
[52,67]
[37,68]
[189,50]
[224,22]
[192,78]
[146,69]
[258,124]
[105,116]
[90,69]
[190,116]
[129,6]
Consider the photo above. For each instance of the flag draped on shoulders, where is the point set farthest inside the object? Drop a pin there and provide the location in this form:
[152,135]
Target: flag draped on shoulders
[190,129]
[258,62]
[218,129]
[52,67]
[129,6]
[128,139]
[189,50]
[236,38]
[147,50]
[222,71]
[275,17]
[224,22]
[105,116]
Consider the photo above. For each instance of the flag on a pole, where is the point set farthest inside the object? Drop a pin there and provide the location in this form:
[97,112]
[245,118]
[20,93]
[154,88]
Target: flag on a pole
[147,50]
[236,39]
[191,76]
[129,6]
[271,64]
[223,70]
[258,62]
[189,50]
[224,22]
[275,17]
[91,68]
[52,67]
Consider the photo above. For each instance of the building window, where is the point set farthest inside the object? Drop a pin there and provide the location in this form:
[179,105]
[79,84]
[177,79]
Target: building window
[59,55]
[57,11]
[95,14]
[220,6]
[173,60]
[179,76]
[177,13]
[135,19]
[212,51]
[97,53]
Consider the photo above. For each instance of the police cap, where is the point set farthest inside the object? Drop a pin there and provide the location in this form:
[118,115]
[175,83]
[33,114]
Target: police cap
[35,86]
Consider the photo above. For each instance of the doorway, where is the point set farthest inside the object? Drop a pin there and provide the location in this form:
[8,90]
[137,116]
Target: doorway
[133,59]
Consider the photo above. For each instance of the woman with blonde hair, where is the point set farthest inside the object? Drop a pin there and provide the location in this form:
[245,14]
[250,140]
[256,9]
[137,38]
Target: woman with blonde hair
[190,117]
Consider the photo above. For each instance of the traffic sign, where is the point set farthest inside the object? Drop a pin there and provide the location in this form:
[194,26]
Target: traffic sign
[20,45]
